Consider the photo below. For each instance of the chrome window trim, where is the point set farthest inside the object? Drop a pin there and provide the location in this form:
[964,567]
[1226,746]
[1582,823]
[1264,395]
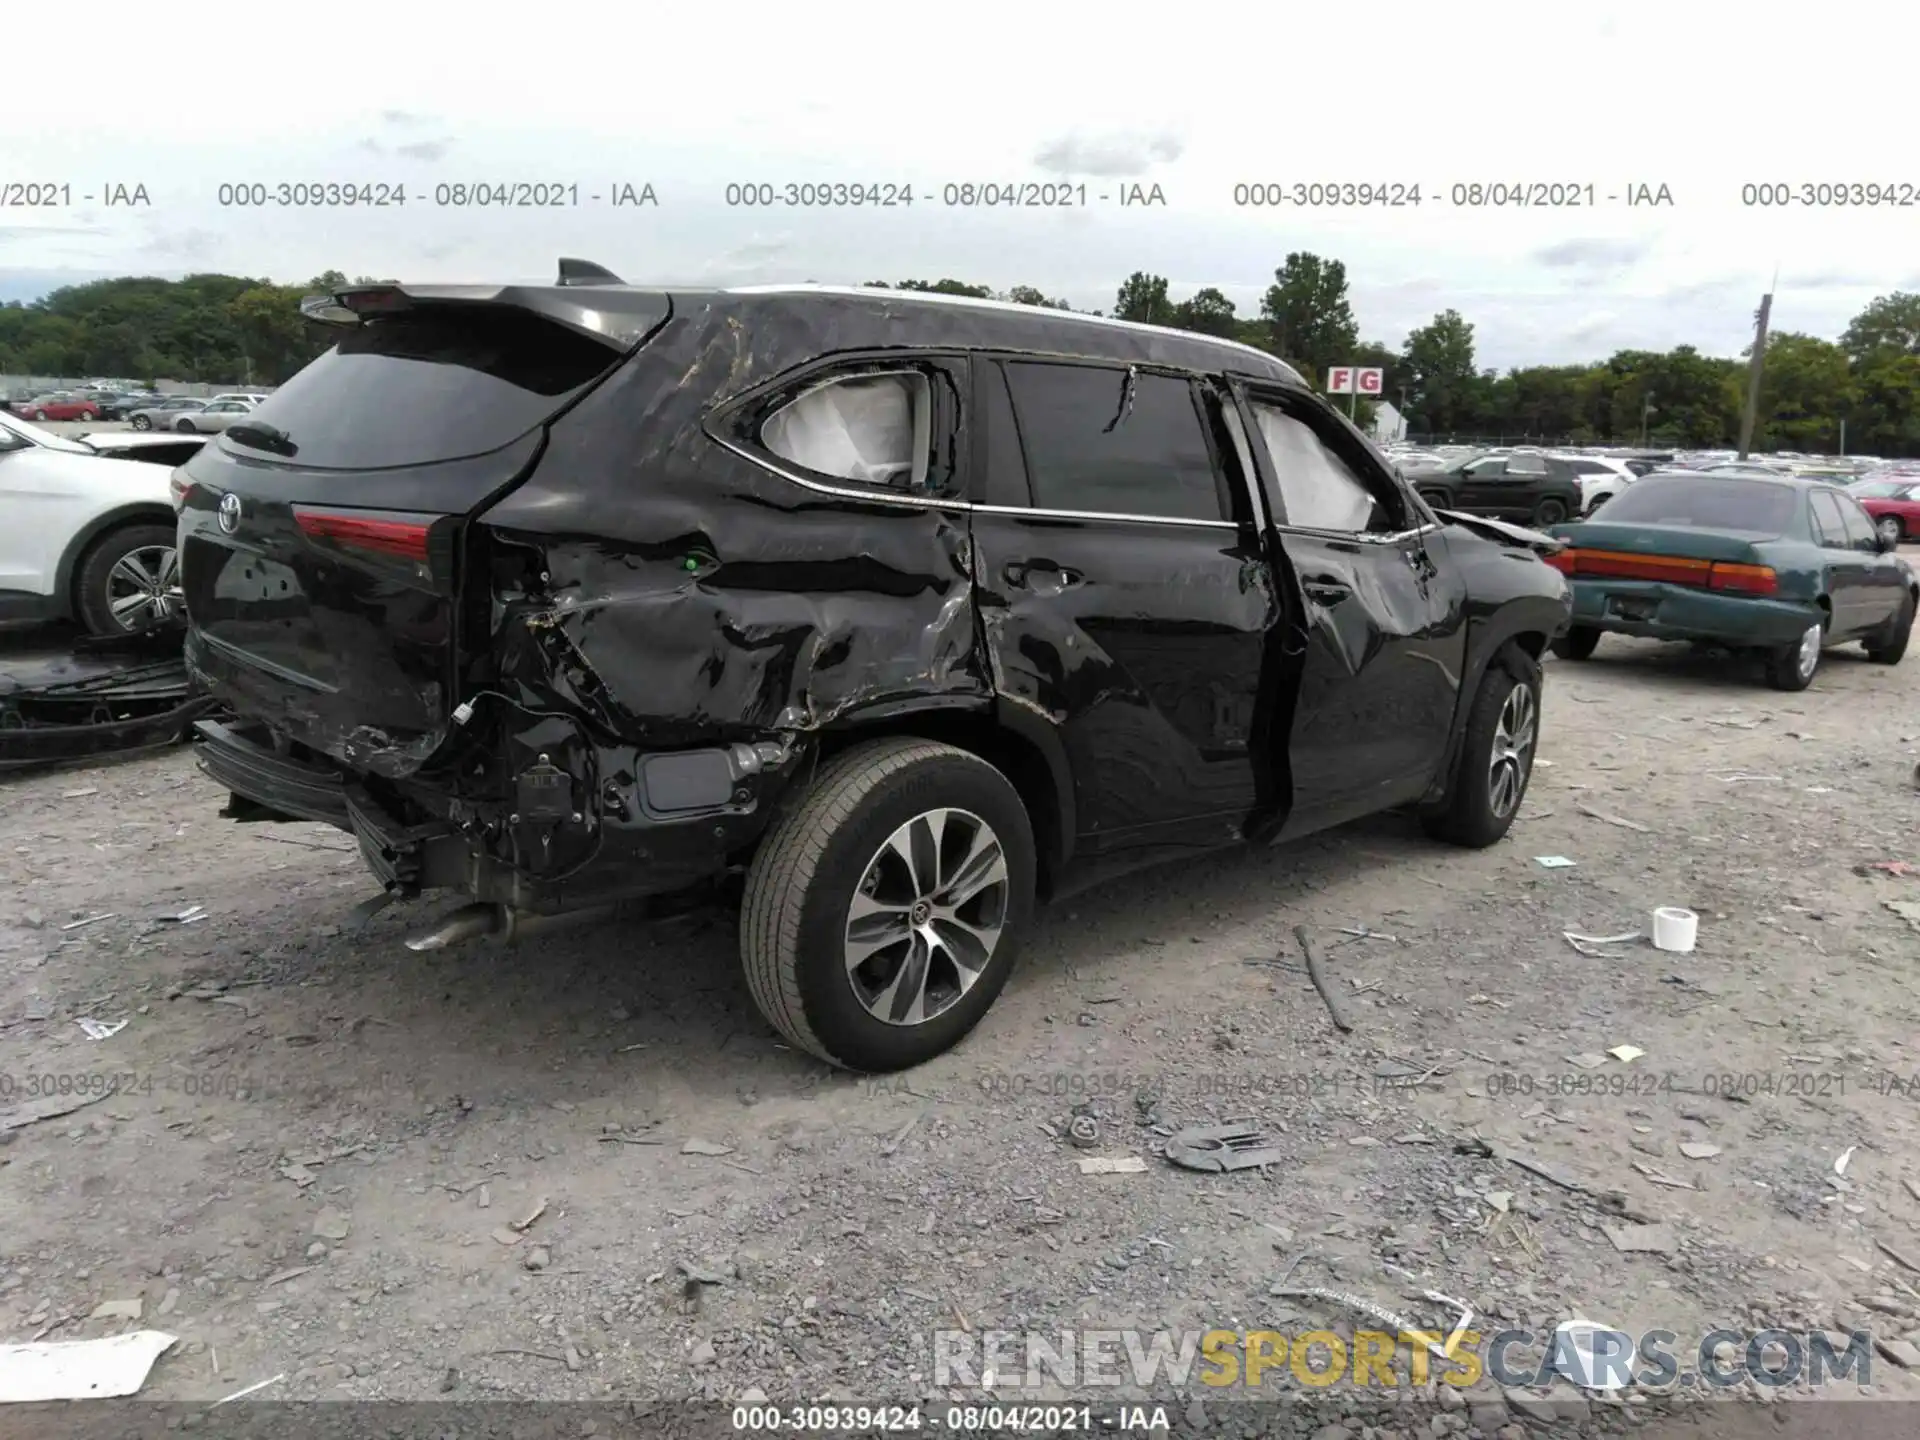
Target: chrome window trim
[1360,537]
[929,502]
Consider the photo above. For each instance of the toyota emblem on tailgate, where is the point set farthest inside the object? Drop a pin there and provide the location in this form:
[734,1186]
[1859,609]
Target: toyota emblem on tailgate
[229,513]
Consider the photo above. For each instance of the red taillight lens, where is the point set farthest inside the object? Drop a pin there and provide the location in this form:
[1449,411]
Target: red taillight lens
[406,539]
[1745,579]
[1563,560]
[180,488]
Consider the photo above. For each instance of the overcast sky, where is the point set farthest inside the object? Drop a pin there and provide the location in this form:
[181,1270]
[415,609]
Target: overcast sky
[1699,98]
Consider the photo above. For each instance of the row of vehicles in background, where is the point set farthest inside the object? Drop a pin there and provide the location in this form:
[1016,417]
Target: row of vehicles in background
[144,409]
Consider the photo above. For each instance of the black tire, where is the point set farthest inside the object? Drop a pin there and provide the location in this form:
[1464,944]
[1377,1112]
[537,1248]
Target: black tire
[1887,645]
[142,422]
[1550,511]
[1468,815]
[1578,643]
[185,426]
[1788,666]
[794,915]
[1437,499]
[93,586]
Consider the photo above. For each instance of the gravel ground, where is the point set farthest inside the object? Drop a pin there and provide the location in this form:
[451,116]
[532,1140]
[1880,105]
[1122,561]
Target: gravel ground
[583,1168]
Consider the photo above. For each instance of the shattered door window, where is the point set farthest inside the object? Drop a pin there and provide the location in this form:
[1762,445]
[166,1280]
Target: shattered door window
[871,429]
[1317,488]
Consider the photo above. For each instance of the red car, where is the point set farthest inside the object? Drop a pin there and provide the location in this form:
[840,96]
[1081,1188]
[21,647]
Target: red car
[1893,504]
[60,405]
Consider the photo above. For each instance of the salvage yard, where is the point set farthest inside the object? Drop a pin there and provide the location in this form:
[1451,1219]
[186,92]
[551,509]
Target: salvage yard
[583,1167]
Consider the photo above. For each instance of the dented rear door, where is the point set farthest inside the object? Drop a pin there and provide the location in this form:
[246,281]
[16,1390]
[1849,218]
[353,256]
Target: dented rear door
[1125,597]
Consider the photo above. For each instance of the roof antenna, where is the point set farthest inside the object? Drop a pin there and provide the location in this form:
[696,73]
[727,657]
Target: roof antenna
[585,272]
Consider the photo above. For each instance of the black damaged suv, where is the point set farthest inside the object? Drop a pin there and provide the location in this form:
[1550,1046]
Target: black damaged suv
[908,610]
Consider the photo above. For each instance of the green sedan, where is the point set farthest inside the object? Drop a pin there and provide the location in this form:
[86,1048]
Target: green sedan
[1782,567]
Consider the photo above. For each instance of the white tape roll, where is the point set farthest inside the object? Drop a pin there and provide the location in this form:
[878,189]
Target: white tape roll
[1674,929]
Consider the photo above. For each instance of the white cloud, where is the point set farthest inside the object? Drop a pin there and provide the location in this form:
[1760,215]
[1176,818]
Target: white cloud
[864,93]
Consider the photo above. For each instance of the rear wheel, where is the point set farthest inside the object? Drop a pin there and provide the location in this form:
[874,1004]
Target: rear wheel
[1891,529]
[1496,755]
[129,581]
[184,426]
[38,415]
[1791,667]
[1436,499]
[1578,643]
[882,911]
[1887,645]
[1550,511]
[141,422]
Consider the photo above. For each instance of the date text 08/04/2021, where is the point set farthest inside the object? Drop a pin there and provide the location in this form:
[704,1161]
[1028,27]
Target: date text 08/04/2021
[1008,1419]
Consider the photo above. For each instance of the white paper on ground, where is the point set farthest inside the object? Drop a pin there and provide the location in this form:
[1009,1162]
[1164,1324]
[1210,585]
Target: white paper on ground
[80,1369]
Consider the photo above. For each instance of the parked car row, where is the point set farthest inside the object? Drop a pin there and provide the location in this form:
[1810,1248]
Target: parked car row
[70,405]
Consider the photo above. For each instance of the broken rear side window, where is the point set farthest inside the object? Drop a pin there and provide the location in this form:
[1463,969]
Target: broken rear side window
[870,429]
[1115,442]
[1318,488]
[436,384]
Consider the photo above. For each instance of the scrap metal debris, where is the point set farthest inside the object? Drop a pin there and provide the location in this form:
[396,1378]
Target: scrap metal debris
[106,695]
[1222,1147]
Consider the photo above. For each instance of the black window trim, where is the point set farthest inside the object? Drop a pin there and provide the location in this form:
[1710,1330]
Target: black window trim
[1250,392]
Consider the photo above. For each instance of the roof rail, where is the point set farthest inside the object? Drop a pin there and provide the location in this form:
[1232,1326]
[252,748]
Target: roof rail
[585,272]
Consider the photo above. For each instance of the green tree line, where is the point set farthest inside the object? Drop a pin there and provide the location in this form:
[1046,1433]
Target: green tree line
[232,329]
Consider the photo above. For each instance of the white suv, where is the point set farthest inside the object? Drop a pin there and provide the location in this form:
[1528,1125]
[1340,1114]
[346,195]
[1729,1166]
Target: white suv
[84,533]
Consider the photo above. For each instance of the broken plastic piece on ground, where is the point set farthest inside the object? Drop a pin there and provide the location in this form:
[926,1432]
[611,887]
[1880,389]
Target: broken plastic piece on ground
[1222,1147]
[1585,943]
[1594,1357]
[1840,1165]
[102,1369]
[1109,1165]
[1626,1053]
[1907,910]
[1554,862]
[1675,929]
[1900,868]
[100,1029]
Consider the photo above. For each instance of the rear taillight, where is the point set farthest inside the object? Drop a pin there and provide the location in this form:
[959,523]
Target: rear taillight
[1744,579]
[404,539]
[1563,560]
[1621,565]
[181,489]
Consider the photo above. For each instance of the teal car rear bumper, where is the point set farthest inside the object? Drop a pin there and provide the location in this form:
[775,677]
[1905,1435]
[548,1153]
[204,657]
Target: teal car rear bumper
[1658,611]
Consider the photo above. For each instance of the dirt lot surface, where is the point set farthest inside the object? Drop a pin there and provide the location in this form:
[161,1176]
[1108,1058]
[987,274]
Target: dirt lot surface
[584,1168]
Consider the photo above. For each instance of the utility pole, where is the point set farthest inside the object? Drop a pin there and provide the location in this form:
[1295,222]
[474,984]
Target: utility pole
[1754,368]
[1646,409]
[1843,437]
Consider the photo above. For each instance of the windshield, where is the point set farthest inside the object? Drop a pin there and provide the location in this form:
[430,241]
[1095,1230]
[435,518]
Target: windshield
[45,437]
[1707,503]
[1883,489]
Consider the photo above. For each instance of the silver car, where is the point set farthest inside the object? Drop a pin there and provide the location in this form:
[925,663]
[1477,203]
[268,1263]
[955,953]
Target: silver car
[217,416]
[162,414]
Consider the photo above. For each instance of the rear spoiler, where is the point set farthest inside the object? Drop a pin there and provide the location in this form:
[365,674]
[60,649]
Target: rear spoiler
[1506,534]
[586,298]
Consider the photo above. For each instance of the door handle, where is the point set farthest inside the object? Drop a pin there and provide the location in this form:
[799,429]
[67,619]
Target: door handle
[1041,575]
[1325,590]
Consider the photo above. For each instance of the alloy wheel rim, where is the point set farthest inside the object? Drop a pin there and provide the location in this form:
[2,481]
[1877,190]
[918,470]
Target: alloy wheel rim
[143,587]
[1809,654]
[926,917]
[1513,741]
